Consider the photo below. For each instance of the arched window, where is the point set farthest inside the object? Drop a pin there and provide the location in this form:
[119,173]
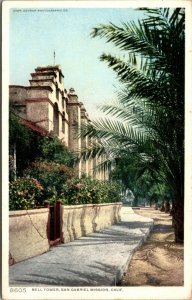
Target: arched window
[57,91]
[56,120]
[63,123]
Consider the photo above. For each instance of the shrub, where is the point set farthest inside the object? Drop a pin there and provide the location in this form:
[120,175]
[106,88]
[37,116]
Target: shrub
[77,191]
[24,193]
[59,183]
[86,190]
[51,176]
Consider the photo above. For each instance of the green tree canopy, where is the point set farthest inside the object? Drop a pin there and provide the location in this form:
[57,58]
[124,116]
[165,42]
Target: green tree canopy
[147,122]
[55,150]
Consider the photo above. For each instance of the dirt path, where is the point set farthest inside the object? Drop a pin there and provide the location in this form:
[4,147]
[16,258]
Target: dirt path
[159,261]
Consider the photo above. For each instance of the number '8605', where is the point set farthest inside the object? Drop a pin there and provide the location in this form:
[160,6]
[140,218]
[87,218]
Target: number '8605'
[17,290]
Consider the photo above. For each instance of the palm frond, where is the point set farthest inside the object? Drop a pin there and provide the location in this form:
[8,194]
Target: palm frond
[146,125]
[128,38]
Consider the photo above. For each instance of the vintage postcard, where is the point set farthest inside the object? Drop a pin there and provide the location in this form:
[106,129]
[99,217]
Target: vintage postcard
[96,120]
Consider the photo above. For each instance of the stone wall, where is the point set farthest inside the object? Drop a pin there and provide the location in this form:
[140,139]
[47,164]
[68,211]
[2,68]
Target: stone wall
[81,220]
[17,95]
[27,233]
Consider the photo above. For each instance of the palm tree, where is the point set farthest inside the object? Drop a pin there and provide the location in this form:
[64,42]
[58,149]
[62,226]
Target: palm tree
[147,122]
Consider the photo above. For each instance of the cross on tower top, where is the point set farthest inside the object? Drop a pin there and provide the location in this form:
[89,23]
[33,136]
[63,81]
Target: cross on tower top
[54,57]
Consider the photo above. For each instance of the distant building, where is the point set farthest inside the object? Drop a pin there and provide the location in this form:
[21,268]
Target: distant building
[47,105]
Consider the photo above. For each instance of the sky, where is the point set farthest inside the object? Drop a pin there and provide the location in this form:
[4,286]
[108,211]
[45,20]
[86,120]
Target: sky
[34,35]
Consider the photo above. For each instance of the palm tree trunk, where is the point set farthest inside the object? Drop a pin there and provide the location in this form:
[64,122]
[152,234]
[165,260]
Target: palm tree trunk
[178,220]
[167,206]
[162,206]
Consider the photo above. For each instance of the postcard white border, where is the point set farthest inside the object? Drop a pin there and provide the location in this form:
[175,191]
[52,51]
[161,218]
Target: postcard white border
[127,292]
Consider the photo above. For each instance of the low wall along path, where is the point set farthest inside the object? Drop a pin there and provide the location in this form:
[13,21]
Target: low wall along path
[27,233]
[29,230]
[81,220]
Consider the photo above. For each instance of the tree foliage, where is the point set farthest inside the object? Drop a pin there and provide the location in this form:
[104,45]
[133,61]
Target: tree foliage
[25,142]
[17,132]
[147,122]
[31,146]
[55,150]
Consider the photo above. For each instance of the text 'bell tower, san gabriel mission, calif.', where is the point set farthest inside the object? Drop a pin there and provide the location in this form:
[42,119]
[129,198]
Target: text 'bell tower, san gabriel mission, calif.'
[48,106]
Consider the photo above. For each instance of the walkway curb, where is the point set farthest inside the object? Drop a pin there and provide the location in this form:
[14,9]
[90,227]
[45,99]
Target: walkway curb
[124,268]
